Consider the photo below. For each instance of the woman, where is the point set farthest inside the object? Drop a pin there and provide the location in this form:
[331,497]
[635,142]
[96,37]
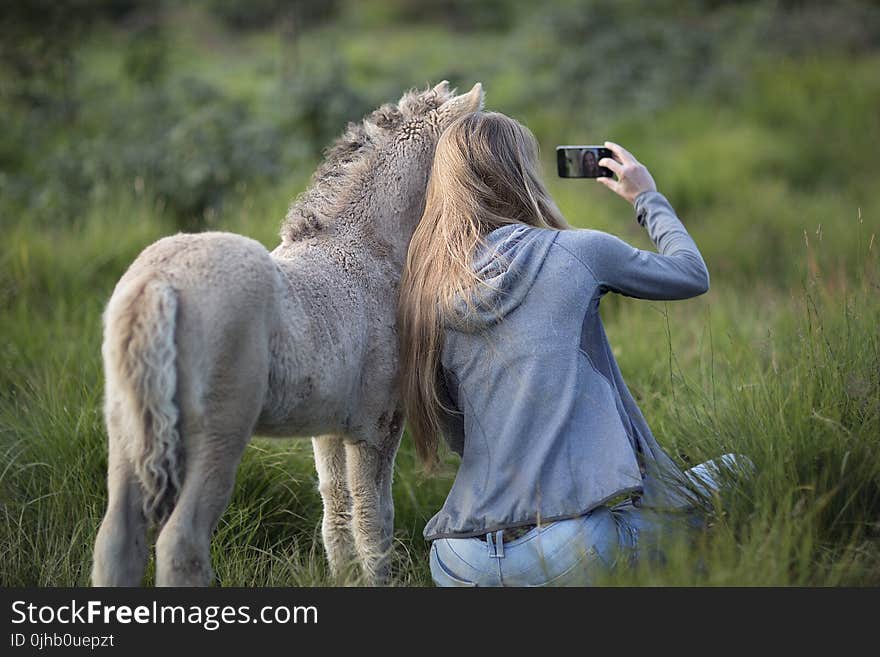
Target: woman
[590,165]
[504,354]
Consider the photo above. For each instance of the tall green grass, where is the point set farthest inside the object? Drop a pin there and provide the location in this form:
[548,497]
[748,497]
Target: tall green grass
[789,378]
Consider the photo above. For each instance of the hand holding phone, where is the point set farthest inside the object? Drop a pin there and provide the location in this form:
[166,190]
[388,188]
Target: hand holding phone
[603,163]
[633,177]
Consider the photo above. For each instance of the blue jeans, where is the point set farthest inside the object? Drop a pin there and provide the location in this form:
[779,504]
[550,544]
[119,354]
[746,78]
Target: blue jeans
[568,552]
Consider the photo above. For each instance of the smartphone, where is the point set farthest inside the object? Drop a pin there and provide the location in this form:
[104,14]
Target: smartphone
[582,161]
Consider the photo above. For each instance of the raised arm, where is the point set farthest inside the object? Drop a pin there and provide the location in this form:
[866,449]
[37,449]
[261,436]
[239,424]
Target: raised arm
[676,272]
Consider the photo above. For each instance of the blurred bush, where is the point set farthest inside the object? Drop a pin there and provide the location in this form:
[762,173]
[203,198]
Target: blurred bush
[38,39]
[315,105]
[154,123]
[262,14]
[185,143]
[458,15]
[72,140]
[145,57]
[628,57]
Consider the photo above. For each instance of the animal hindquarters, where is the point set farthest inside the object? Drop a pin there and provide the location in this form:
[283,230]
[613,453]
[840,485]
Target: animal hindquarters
[186,353]
[142,426]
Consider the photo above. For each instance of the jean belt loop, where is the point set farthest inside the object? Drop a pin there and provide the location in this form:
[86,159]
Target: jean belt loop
[496,544]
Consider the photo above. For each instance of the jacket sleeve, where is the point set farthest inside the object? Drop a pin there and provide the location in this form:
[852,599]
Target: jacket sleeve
[452,423]
[677,271]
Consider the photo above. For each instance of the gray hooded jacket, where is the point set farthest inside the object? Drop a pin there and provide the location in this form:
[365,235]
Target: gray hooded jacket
[542,418]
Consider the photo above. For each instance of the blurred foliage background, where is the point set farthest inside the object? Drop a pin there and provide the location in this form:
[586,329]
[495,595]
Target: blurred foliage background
[197,105]
[126,120]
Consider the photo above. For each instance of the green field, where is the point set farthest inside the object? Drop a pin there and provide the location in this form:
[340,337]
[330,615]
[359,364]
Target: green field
[768,152]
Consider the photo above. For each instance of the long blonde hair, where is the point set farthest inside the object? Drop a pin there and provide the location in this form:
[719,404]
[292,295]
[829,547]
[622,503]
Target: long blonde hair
[484,176]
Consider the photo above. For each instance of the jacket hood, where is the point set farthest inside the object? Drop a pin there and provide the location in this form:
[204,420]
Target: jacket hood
[508,264]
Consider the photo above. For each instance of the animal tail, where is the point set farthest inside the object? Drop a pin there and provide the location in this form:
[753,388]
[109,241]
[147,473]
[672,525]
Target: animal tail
[141,384]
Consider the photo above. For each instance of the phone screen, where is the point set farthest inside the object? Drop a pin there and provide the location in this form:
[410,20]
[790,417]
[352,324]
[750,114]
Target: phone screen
[582,161]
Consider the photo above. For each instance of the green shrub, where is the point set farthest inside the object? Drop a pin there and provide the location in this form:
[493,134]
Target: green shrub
[187,144]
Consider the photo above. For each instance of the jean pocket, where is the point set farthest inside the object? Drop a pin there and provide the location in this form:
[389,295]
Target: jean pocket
[441,574]
[581,572]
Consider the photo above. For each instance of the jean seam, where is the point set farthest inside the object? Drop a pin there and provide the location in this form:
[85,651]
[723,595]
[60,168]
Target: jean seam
[448,572]
[465,561]
[587,553]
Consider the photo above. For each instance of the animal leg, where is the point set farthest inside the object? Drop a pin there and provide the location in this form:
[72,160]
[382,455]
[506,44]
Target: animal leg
[120,554]
[386,506]
[369,480]
[393,434]
[336,525]
[183,549]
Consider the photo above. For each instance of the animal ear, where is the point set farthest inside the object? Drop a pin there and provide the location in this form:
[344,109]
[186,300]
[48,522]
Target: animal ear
[475,98]
[467,103]
[442,91]
[416,103]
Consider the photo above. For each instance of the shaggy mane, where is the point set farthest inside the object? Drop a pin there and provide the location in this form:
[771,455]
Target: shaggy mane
[348,161]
